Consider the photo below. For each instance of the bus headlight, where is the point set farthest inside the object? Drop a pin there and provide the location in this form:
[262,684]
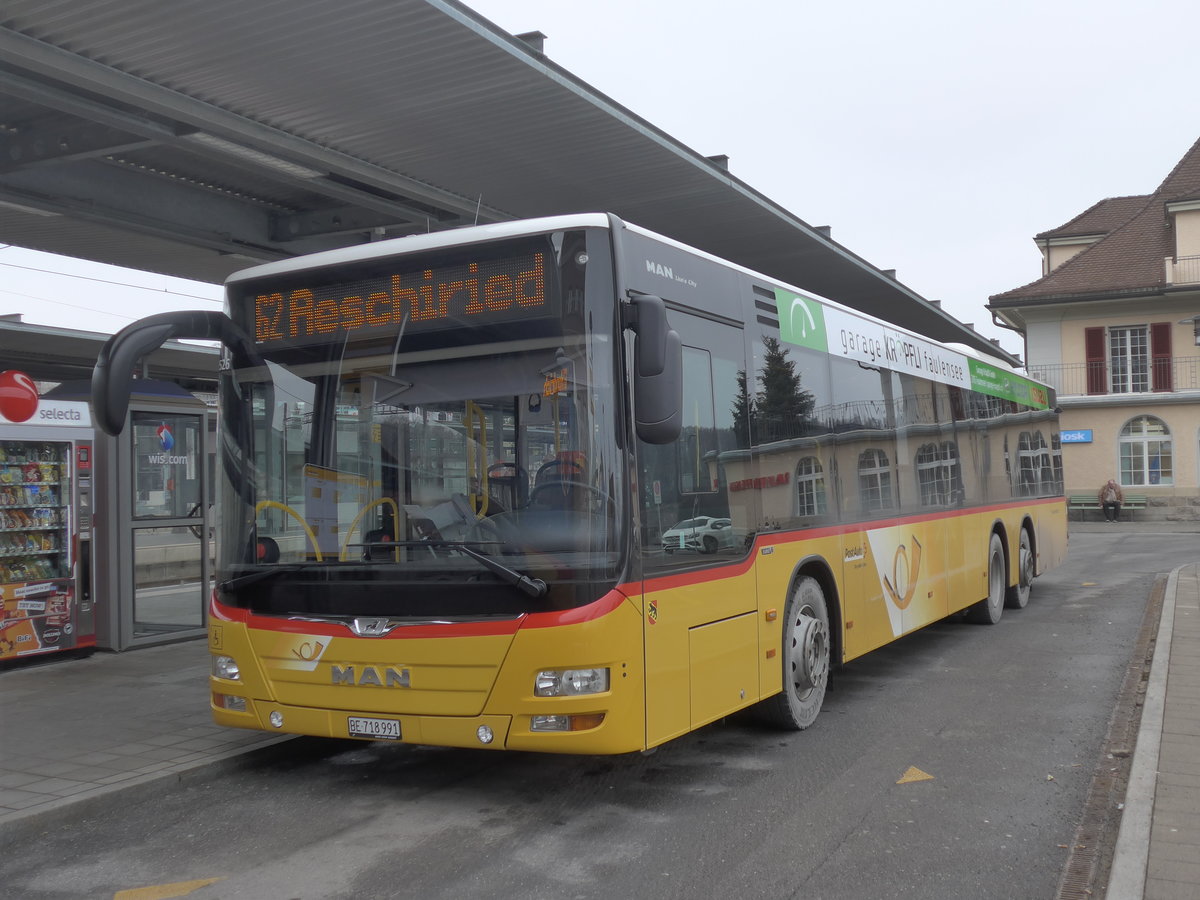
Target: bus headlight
[570,682]
[226,667]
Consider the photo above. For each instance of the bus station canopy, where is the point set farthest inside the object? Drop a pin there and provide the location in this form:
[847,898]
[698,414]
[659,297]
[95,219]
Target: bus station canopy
[197,139]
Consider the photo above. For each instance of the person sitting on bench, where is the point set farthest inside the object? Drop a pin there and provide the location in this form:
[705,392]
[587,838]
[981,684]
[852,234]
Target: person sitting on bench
[1110,498]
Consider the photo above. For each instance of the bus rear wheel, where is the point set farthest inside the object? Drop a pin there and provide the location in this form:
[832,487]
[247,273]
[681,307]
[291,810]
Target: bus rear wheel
[1017,596]
[806,658]
[987,611]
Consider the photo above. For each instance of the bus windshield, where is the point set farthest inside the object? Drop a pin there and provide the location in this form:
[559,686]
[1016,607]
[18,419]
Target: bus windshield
[423,472]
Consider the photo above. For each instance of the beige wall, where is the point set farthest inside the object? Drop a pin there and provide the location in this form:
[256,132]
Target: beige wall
[1187,233]
[1087,466]
[1057,254]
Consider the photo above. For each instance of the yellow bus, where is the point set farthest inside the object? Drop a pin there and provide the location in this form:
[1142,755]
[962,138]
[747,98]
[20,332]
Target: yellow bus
[566,485]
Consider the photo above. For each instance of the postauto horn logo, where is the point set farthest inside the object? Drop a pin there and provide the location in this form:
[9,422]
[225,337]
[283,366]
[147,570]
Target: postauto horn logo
[801,320]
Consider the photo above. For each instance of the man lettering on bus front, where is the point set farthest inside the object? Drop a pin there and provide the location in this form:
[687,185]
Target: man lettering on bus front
[1110,497]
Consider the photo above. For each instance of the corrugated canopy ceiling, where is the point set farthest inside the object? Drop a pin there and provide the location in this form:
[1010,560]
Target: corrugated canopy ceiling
[198,138]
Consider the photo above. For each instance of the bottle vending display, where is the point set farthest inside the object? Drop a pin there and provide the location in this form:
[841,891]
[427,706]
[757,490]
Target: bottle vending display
[36,566]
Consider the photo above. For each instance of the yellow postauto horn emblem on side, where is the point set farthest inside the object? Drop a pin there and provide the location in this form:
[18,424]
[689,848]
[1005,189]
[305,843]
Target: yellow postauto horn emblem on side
[904,575]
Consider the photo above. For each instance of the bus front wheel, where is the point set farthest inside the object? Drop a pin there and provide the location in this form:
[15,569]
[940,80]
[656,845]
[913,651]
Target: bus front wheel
[806,658]
[987,611]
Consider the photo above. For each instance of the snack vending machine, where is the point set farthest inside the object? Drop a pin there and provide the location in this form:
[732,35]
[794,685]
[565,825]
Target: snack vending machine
[45,530]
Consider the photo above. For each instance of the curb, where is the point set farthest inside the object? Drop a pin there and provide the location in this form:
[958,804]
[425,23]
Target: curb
[1127,877]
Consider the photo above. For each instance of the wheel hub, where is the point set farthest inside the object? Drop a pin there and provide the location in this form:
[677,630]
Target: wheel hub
[811,662]
[1026,567]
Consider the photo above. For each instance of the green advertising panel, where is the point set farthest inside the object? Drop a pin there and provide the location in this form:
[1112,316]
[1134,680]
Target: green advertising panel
[807,323]
[801,321]
[1006,385]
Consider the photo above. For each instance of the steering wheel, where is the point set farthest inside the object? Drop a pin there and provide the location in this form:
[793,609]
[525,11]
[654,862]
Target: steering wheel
[549,471]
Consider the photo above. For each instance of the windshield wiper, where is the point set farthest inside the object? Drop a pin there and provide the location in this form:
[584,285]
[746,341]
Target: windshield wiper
[534,587]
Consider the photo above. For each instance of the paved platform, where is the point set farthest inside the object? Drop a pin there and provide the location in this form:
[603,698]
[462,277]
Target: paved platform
[76,730]
[85,731]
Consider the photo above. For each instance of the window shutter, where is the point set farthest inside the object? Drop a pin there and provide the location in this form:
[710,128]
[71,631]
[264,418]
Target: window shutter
[1097,369]
[1160,354]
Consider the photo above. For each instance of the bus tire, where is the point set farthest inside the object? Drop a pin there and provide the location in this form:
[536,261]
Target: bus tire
[806,658]
[1017,596]
[987,611]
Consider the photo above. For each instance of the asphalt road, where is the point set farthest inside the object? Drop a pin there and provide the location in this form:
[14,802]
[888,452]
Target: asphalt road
[998,730]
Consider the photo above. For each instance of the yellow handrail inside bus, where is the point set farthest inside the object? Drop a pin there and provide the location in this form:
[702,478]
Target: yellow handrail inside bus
[473,413]
[275,504]
[382,501]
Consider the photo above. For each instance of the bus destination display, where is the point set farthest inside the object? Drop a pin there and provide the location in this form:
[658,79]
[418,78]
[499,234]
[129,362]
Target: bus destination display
[472,294]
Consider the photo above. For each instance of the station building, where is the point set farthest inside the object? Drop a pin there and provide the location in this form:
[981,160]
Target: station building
[1113,324]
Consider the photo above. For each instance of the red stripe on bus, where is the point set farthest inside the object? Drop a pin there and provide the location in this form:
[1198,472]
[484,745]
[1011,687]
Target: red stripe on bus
[586,613]
[606,604]
[777,538]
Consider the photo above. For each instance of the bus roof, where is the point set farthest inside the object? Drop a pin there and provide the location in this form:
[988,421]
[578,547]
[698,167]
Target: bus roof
[438,240]
[417,243]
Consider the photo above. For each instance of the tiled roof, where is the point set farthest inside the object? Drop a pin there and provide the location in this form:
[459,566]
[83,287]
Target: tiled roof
[1130,256]
[1101,218]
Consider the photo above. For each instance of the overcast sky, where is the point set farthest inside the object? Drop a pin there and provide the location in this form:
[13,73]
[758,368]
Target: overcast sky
[936,137]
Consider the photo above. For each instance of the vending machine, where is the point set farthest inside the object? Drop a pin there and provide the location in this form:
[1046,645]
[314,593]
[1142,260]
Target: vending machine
[45,522]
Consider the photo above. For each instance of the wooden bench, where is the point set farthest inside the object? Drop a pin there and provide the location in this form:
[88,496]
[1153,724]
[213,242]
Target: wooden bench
[1084,502]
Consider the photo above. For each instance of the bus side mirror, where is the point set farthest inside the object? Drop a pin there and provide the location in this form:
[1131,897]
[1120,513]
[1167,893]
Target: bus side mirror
[112,378]
[657,372]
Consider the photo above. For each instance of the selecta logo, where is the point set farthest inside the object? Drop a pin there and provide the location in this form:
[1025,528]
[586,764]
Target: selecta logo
[18,396]
[166,438]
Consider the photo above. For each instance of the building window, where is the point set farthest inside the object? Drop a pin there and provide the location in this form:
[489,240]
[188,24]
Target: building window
[1129,359]
[874,480]
[1146,452]
[938,475]
[810,487]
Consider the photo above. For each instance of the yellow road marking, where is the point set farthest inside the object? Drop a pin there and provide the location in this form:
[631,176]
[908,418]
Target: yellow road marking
[165,891]
[914,774]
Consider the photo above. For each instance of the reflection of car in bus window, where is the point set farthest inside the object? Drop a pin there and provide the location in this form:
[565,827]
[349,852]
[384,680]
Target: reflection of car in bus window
[703,533]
